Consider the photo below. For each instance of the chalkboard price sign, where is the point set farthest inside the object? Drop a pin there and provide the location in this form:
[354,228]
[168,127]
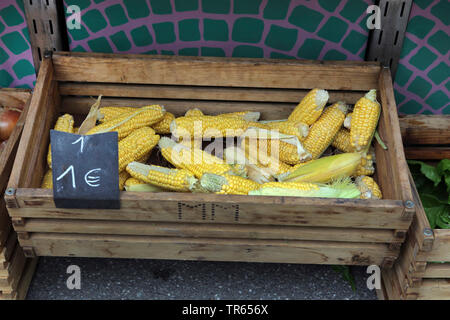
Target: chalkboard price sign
[85,170]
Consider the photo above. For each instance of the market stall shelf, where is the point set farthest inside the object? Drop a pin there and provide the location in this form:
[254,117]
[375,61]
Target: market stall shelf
[192,226]
[16,271]
[423,269]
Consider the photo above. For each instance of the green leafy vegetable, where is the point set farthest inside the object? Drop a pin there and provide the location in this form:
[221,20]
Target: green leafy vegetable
[433,185]
[346,275]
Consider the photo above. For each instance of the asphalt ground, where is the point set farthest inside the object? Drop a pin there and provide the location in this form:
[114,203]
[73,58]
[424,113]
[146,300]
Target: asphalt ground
[130,279]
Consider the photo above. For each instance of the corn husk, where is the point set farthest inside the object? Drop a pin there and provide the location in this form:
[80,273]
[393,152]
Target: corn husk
[323,170]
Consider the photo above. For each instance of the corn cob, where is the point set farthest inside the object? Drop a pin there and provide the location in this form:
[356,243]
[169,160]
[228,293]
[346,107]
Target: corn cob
[163,126]
[126,123]
[195,112]
[325,129]
[264,160]
[123,176]
[285,148]
[348,120]
[342,141]
[255,172]
[195,160]
[298,129]
[368,187]
[365,167]
[136,185]
[344,188]
[325,169]
[106,114]
[225,184]
[310,108]
[171,179]
[210,126]
[47,181]
[364,120]
[246,115]
[63,124]
[136,146]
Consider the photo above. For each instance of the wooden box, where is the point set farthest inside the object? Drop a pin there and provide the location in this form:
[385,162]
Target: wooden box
[423,268]
[15,270]
[209,226]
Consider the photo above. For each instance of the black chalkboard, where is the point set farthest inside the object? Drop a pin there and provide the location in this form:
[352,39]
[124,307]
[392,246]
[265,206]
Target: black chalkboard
[85,170]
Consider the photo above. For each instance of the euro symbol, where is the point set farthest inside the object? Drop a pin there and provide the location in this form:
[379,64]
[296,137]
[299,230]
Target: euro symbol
[91,179]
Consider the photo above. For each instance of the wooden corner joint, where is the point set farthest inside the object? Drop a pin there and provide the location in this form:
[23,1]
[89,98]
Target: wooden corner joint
[29,252]
[409,210]
[10,198]
[388,262]
[23,235]
[18,222]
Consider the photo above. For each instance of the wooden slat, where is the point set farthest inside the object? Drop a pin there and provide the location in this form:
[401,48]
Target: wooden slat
[425,129]
[385,44]
[292,96]
[211,208]
[434,289]
[228,72]
[427,153]
[437,270]
[81,105]
[33,127]
[10,281]
[395,145]
[441,246]
[196,230]
[208,249]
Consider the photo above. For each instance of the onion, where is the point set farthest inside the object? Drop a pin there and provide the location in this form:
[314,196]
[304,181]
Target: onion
[8,120]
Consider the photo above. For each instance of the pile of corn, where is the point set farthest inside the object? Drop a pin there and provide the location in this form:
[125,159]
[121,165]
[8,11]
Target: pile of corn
[318,151]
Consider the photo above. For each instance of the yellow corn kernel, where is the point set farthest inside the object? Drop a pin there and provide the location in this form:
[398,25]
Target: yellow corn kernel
[195,160]
[47,181]
[106,114]
[246,115]
[63,124]
[136,146]
[128,122]
[163,126]
[325,169]
[123,176]
[136,185]
[285,148]
[310,108]
[368,187]
[225,184]
[305,186]
[298,129]
[209,126]
[195,112]
[365,167]
[342,141]
[324,130]
[171,179]
[364,120]
[257,153]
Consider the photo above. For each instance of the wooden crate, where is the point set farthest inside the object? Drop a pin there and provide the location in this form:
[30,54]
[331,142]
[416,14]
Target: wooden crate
[209,226]
[15,269]
[414,275]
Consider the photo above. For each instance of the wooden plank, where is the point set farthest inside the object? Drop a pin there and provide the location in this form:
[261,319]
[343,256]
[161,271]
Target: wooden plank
[212,208]
[46,27]
[33,127]
[9,249]
[441,246]
[421,129]
[437,270]
[12,97]
[395,145]
[196,230]
[11,281]
[228,72]
[279,251]
[211,94]
[434,289]
[20,292]
[385,44]
[427,153]
[269,111]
